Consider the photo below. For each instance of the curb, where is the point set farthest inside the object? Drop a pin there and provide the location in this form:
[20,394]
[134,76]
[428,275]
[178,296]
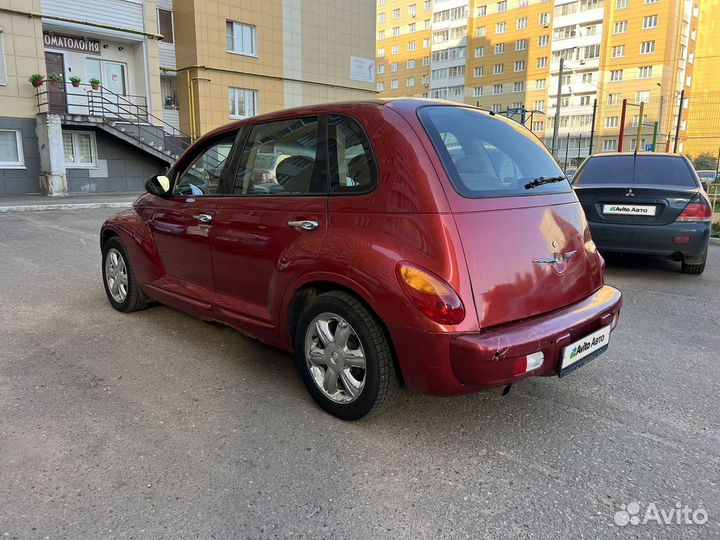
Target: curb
[715,241]
[62,206]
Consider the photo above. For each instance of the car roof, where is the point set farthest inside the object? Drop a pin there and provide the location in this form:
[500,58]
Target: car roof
[644,154]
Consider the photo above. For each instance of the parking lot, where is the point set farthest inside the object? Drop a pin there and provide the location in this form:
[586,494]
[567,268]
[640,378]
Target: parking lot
[158,425]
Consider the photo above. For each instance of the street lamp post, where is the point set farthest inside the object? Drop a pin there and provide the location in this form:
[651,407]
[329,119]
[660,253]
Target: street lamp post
[556,125]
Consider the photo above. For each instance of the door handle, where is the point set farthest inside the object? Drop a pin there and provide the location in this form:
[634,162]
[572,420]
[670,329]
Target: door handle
[305,224]
[205,218]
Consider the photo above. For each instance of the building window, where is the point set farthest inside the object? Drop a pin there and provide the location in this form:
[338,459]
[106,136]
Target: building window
[497,89]
[499,48]
[496,108]
[519,66]
[428,5]
[3,66]
[394,66]
[168,91]
[587,78]
[11,152]
[543,41]
[541,62]
[381,34]
[410,64]
[243,102]
[426,61]
[412,10]
[521,44]
[622,4]
[651,1]
[411,45]
[479,52]
[412,27]
[80,149]
[537,126]
[479,71]
[395,13]
[539,105]
[381,17]
[500,27]
[410,81]
[395,49]
[616,75]
[521,23]
[381,52]
[428,24]
[650,21]
[612,121]
[396,31]
[518,86]
[544,19]
[647,47]
[165,25]
[426,80]
[498,69]
[380,86]
[381,69]
[618,51]
[645,72]
[620,27]
[241,38]
[539,84]
[481,11]
[480,31]
[584,100]
[394,84]
[610,145]
[502,6]
[477,91]
[642,96]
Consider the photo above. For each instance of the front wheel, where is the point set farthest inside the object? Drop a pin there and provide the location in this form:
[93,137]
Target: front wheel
[344,357]
[120,283]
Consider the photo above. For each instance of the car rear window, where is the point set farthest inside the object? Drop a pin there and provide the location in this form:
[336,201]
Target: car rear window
[487,156]
[637,170]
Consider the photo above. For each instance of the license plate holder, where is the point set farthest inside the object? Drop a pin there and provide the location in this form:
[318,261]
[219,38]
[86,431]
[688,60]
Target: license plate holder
[585,349]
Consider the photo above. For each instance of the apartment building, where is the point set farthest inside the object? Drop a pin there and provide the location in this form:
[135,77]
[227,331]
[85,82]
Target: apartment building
[404,34]
[126,85]
[506,56]
[239,58]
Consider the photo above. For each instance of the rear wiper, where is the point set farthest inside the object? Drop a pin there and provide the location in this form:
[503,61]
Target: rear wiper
[544,180]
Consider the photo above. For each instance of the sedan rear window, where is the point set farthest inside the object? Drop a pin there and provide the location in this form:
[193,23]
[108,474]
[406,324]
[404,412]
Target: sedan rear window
[487,156]
[636,170]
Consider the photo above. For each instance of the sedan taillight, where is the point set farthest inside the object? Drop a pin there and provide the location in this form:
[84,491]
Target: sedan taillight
[698,211]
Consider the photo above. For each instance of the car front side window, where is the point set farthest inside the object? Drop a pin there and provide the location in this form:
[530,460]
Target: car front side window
[280,158]
[203,176]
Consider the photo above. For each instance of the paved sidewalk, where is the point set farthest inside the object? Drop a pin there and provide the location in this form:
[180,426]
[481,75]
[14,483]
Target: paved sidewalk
[39,203]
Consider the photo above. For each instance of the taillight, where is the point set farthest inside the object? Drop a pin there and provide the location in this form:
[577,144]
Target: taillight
[431,295]
[696,211]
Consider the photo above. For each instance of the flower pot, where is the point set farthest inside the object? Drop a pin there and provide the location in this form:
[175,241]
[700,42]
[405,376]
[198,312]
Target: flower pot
[95,86]
[76,85]
[38,84]
[55,84]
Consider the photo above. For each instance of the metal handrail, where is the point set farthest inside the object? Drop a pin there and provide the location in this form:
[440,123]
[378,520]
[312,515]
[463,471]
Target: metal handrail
[113,107]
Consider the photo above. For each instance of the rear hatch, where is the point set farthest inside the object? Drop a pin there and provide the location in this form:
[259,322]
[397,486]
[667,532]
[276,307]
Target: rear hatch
[527,246]
[643,189]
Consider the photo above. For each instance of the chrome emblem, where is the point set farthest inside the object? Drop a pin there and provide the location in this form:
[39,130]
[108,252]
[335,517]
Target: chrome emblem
[630,193]
[554,243]
[557,258]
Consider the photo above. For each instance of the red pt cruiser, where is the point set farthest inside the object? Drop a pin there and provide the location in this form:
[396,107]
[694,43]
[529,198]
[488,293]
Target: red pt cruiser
[386,243]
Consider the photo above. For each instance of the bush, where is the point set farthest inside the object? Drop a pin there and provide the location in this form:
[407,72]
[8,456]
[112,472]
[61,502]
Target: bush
[715,231]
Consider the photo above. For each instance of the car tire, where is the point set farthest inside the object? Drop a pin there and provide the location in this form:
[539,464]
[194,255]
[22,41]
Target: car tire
[330,367]
[121,286]
[696,269]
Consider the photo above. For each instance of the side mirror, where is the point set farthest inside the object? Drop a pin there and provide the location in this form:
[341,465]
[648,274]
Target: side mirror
[158,185]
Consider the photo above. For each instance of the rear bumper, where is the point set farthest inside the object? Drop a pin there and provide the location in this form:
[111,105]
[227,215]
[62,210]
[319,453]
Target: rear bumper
[652,239]
[451,364]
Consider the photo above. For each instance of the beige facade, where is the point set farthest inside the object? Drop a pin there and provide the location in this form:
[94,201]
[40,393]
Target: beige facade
[23,52]
[247,57]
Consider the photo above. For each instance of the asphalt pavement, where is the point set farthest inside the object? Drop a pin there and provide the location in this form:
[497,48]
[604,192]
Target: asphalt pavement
[158,425]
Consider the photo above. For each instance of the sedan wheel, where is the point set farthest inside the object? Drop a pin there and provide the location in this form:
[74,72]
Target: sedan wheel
[116,277]
[344,356]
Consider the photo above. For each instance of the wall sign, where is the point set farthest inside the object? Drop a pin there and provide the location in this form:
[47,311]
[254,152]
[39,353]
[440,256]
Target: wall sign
[71,43]
[362,69]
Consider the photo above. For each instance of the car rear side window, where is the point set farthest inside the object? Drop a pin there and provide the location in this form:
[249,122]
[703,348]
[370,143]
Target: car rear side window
[487,156]
[352,163]
[635,170]
[281,158]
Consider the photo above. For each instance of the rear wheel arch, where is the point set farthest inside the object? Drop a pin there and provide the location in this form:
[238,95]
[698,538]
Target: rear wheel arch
[306,292]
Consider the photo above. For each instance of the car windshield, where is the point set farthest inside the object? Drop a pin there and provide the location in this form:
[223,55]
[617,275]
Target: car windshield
[636,170]
[486,156]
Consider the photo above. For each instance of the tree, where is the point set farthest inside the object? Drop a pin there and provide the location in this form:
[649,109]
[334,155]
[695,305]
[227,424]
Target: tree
[705,161]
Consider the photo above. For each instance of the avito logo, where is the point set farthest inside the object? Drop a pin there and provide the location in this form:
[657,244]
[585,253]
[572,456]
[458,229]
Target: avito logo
[586,345]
